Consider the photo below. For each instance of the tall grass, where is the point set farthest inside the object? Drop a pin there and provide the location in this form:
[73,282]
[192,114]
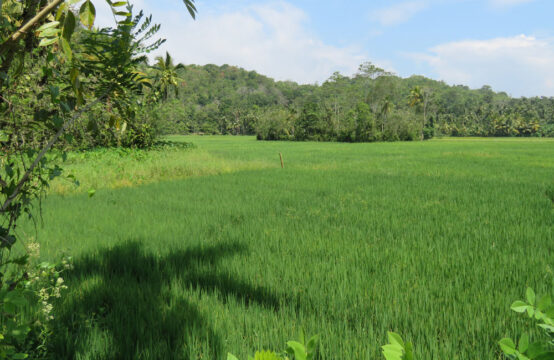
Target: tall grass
[432,240]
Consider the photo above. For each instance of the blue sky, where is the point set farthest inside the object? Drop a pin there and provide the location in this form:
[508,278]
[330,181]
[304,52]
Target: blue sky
[508,44]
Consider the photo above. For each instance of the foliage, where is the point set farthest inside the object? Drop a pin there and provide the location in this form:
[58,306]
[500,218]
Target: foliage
[296,350]
[26,304]
[221,99]
[275,124]
[166,76]
[396,349]
[38,42]
[542,311]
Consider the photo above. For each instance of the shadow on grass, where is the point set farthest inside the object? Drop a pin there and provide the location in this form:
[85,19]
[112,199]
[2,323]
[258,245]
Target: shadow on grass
[122,303]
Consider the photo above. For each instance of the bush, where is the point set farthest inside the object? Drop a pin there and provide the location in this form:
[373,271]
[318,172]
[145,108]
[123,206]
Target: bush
[542,311]
[275,124]
[26,309]
[428,133]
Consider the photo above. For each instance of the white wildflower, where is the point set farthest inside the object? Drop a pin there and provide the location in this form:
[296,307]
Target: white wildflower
[33,249]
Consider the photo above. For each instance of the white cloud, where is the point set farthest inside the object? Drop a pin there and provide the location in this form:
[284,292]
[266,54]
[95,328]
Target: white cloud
[520,65]
[271,39]
[398,13]
[506,3]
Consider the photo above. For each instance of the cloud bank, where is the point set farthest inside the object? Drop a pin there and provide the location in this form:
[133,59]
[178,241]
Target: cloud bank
[506,3]
[272,39]
[398,13]
[521,65]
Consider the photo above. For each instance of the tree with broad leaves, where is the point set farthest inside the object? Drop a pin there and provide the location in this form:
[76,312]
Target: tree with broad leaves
[75,77]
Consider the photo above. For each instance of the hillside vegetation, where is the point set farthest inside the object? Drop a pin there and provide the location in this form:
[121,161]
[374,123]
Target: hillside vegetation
[371,105]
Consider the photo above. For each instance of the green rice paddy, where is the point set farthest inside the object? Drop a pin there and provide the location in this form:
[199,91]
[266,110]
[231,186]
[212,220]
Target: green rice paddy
[193,253]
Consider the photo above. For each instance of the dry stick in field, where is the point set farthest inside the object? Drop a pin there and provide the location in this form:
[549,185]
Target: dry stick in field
[282,163]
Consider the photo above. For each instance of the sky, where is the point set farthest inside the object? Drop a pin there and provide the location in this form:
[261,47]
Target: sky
[506,44]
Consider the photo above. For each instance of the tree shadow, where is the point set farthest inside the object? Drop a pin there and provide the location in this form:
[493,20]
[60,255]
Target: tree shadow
[123,303]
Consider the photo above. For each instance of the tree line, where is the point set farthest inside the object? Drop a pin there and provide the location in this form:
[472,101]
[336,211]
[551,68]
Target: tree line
[371,105]
[169,98]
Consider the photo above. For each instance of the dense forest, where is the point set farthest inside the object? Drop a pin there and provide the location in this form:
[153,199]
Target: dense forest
[371,105]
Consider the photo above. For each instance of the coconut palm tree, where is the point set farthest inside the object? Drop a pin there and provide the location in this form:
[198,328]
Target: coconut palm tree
[416,97]
[419,98]
[166,78]
[386,108]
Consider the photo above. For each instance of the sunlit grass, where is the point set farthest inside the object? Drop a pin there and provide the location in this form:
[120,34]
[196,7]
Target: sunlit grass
[433,240]
[101,169]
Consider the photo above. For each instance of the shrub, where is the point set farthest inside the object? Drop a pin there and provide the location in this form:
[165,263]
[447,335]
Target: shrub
[539,310]
[26,309]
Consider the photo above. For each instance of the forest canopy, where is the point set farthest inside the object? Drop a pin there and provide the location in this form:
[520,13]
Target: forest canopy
[371,105]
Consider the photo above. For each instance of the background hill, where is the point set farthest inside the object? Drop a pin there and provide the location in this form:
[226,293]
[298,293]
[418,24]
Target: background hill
[370,105]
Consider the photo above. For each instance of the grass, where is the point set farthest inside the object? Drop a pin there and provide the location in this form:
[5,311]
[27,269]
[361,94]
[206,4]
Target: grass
[433,240]
[117,168]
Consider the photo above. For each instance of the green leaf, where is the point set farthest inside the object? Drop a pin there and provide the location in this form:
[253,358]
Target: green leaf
[537,350]
[61,10]
[231,357]
[546,356]
[538,314]
[266,355]
[69,25]
[66,47]
[22,260]
[9,170]
[547,327]
[395,339]
[519,306]
[311,345]
[297,349]
[544,303]
[507,345]
[530,295]
[15,298]
[523,343]
[48,33]
[87,14]
[393,352]
[520,356]
[74,77]
[46,42]
[54,93]
[191,8]
[20,332]
[91,193]
[48,26]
